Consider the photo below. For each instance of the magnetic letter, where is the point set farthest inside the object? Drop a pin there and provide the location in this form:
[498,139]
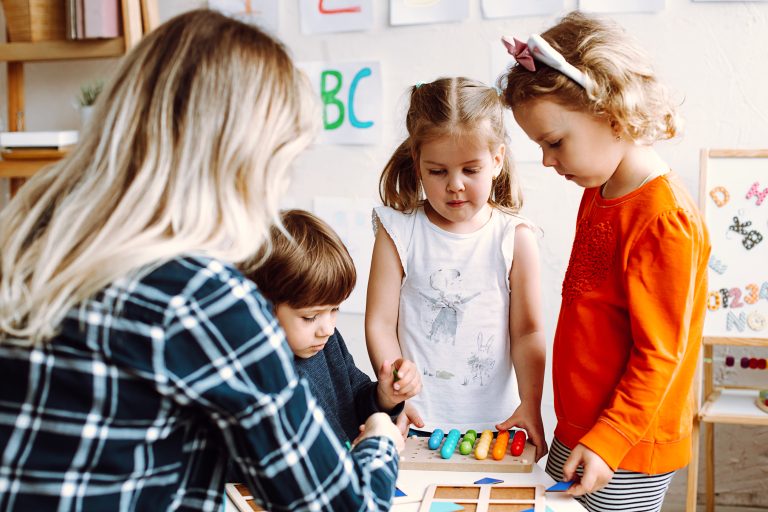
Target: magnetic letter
[753,191]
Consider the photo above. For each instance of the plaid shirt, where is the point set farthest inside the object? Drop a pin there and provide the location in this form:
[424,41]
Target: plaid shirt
[153,385]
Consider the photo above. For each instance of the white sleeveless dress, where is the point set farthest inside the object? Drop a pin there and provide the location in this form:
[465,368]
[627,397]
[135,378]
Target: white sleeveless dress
[454,317]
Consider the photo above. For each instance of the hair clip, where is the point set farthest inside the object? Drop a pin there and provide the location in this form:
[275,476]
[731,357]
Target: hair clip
[418,84]
[520,51]
[537,48]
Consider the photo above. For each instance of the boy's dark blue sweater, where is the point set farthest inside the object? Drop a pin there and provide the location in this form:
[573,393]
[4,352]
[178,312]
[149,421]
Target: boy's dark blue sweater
[346,394]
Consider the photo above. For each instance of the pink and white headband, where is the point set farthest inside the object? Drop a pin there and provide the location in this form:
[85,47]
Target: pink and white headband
[538,49]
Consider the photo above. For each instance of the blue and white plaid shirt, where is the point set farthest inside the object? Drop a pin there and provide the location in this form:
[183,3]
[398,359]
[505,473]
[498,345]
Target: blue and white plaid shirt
[153,386]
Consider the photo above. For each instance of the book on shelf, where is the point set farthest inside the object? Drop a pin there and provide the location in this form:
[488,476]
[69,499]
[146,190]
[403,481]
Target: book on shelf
[100,18]
[92,19]
[10,141]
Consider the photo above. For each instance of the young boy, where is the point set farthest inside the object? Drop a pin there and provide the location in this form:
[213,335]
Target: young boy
[306,275]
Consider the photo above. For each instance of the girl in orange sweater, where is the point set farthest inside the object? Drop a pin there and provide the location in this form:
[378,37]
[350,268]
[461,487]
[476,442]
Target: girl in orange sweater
[633,299]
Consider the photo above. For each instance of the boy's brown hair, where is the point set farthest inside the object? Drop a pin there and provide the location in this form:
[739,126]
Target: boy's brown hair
[305,264]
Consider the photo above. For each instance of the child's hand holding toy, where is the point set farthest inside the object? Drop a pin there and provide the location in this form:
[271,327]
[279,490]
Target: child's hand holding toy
[398,381]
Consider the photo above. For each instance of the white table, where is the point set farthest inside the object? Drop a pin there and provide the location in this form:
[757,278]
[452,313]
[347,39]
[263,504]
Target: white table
[413,483]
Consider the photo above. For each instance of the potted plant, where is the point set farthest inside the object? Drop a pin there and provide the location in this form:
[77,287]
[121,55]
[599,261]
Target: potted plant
[87,97]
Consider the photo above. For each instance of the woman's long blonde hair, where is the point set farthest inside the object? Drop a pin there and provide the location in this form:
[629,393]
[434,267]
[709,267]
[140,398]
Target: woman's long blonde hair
[187,153]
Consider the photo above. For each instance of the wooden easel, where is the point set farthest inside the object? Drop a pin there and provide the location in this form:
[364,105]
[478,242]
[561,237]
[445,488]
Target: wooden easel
[725,175]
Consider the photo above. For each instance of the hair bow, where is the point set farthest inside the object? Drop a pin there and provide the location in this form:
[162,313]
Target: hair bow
[520,51]
[537,48]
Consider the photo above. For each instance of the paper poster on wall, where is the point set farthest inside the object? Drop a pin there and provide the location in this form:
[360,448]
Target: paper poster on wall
[735,204]
[326,16]
[522,148]
[512,8]
[351,99]
[262,13]
[413,12]
[621,5]
[351,219]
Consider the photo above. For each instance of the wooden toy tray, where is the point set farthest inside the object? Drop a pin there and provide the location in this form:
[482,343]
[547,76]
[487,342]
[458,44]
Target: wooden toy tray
[486,498]
[417,455]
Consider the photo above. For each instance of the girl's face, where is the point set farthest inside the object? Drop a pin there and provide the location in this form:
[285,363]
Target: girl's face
[457,175]
[581,147]
[307,329]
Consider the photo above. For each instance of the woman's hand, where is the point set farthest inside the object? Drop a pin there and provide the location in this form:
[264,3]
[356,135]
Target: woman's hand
[380,425]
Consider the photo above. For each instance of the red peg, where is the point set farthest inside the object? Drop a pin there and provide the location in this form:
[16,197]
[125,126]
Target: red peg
[518,443]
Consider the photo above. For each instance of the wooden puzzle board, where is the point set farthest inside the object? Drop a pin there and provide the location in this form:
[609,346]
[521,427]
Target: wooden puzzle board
[417,455]
[486,498]
[241,498]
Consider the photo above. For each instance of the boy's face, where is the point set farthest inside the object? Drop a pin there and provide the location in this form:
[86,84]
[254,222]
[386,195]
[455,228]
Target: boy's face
[307,329]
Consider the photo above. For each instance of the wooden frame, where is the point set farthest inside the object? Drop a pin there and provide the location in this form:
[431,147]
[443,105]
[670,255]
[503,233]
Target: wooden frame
[241,498]
[482,498]
[724,404]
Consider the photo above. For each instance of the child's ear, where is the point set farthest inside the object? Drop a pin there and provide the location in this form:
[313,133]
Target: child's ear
[498,160]
[616,129]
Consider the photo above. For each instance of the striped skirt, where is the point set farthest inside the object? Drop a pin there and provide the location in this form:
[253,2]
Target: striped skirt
[627,491]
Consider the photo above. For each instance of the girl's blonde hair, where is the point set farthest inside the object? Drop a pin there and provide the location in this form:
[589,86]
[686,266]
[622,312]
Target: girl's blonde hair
[306,266]
[624,86]
[187,153]
[448,107]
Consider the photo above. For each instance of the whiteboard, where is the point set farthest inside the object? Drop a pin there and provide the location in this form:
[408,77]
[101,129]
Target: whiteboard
[734,198]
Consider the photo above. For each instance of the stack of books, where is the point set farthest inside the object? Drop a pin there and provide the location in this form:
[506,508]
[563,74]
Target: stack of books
[36,145]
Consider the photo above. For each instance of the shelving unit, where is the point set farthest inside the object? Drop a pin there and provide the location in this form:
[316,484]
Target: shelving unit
[725,183]
[725,404]
[735,406]
[138,16]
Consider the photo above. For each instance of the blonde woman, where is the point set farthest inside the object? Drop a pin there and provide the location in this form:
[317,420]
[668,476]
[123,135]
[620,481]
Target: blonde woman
[136,359]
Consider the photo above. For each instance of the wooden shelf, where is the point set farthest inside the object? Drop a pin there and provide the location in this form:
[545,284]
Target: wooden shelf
[736,341]
[22,168]
[62,50]
[138,18]
[735,406]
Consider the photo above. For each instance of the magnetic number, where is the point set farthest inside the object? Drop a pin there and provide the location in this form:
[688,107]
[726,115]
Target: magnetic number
[753,294]
[735,294]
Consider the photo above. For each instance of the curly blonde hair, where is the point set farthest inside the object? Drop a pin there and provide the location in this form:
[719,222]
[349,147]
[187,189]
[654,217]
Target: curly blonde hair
[624,86]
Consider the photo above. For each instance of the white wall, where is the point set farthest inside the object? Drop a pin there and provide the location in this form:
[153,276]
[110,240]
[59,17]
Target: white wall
[714,55]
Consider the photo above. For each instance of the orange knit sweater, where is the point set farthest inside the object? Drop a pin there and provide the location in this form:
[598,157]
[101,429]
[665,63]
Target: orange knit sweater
[630,325]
